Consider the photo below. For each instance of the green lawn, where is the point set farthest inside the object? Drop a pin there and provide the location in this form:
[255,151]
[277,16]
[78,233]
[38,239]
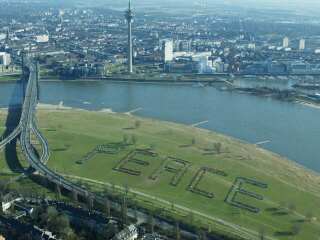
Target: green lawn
[10,78]
[73,134]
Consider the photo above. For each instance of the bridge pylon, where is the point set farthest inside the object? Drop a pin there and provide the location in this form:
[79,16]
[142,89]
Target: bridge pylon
[38,77]
[25,75]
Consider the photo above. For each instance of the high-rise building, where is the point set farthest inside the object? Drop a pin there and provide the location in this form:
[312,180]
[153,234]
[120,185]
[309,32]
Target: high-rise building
[285,43]
[129,17]
[8,36]
[302,44]
[61,13]
[5,59]
[167,50]
[185,46]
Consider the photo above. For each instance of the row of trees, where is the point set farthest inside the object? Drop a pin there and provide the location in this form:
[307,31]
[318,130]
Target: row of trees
[58,223]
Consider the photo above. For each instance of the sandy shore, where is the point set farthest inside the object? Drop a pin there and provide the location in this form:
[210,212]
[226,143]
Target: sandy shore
[61,106]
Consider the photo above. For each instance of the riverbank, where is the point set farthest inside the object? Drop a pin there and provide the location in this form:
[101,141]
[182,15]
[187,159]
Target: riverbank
[9,78]
[284,178]
[251,118]
[94,145]
[291,96]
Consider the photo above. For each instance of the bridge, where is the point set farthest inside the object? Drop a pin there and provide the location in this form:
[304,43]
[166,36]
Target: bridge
[28,126]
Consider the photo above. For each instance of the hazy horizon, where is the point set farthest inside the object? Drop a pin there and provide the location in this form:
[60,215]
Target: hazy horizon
[304,7]
[253,3]
[282,3]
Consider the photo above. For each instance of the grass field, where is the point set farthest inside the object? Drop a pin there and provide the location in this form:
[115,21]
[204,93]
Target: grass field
[174,164]
[10,78]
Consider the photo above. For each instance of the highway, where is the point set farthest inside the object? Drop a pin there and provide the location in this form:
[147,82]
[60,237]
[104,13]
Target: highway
[28,126]
[11,137]
[43,141]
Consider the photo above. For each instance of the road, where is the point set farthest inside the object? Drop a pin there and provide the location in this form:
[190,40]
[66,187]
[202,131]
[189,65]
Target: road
[11,137]
[29,125]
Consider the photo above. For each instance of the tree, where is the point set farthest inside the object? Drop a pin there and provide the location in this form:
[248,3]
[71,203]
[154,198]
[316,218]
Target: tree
[125,139]
[134,139]
[282,207]
[44,181]
[1,199]
[124,210]
[69,234]
[309,216]
[3,186]
[58,191]
[108,208]
[152,146]
[151,222]
[292,208]
[296,229]
[135,210]
[113,188]
[172,206]
[49,219]
[110,230]
[191,218]
[217,147]
[178,234]
[137,124]
[74,196]
[126,189]
[262,234]
[63,229]
[202,235]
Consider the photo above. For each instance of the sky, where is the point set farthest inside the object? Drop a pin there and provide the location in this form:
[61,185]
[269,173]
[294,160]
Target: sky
[305,6]
[277,3]
[283,4]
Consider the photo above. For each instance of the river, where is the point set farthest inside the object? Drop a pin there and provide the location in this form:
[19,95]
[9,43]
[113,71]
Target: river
[292,130]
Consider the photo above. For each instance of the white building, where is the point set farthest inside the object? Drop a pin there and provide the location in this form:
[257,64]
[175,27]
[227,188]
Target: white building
[302,44]
[218,65]
[152,237]
[7,203]
[3,36]
[5,59]
[129,233]
[43,38]
[285,43]
[252,46]
[205,66]
[167,50]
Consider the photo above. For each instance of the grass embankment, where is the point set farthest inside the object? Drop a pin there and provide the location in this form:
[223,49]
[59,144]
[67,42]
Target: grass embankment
[9,78]
[291,203]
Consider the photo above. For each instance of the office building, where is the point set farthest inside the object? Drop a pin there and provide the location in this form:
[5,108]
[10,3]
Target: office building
[167,50]
[5,59]
[302,44]
[285,43]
